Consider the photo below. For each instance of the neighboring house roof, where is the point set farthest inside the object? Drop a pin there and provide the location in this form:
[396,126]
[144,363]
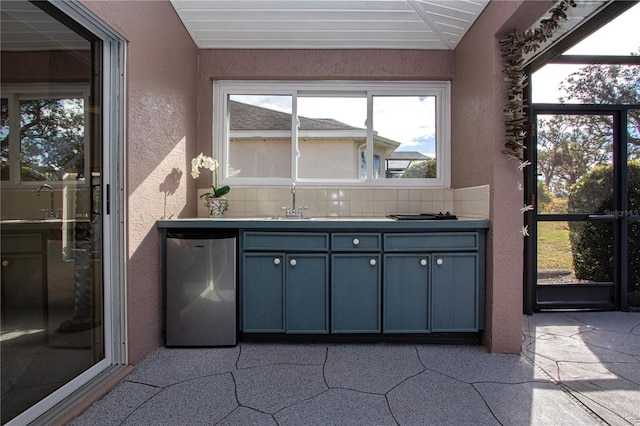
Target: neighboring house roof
[246,117]
[251,117]
[407,155]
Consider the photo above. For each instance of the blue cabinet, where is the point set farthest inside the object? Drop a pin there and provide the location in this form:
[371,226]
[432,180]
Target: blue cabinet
[355,282]
[309,282]
[285,282]
[263,292]
[355,293]
[433,282]
[455,292]
[307,295]
[406,293]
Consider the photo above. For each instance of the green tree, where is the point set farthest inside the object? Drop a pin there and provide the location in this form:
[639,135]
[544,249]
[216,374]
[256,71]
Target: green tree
[569,146]
[51,138]
[421,169]
[608,84]
[4,138]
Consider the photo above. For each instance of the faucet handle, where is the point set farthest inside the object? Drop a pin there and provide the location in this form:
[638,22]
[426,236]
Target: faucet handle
[48,214]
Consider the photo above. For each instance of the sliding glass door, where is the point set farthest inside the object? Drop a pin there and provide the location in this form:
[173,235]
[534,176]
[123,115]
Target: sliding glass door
[52,214]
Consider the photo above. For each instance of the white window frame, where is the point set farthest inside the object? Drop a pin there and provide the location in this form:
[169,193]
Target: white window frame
[369,89]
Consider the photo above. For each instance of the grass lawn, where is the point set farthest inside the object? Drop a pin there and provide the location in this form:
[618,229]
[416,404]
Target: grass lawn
[554,249]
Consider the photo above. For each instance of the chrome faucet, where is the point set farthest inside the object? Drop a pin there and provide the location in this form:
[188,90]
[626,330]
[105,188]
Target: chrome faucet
[48,214]
[293,195]
[292,212]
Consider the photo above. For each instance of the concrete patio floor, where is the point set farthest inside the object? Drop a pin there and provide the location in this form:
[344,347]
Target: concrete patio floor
[576,368]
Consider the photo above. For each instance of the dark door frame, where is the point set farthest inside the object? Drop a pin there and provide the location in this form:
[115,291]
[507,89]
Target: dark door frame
[611,296]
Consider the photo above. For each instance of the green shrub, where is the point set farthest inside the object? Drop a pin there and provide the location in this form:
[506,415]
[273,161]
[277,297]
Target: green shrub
[558,205]
[592,242]
[544,197]
[421,169]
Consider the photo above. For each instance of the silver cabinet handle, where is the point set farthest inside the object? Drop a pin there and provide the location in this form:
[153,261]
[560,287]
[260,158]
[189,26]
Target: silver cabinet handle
[356,242]
[423,262]
[5,263]
[276,261]
[439,262]
[372,262]
[293,262]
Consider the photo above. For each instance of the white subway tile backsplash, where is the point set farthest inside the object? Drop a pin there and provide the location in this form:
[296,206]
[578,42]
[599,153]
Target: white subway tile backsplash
[353,202]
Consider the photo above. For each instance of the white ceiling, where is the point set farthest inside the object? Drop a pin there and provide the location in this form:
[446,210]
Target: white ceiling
[328,24]
[27,28]
[289,24]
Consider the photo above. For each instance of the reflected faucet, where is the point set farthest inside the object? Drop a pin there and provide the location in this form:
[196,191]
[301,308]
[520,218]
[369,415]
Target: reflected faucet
[48,214]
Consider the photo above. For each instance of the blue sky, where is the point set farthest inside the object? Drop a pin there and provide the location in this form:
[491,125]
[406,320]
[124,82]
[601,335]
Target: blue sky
[619,37]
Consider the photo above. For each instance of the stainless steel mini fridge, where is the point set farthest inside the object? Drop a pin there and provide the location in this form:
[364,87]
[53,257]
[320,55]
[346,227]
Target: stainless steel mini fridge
[200,290]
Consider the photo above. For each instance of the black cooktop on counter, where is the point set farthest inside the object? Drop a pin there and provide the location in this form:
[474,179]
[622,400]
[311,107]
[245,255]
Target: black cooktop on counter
[424,216]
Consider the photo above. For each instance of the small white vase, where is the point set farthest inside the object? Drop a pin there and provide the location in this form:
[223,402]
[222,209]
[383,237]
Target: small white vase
[216,206]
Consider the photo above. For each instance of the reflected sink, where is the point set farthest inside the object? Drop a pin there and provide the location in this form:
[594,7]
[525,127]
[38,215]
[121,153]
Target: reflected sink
[20,221]
[329,218]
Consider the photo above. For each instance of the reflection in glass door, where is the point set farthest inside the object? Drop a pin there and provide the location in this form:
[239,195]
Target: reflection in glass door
[577,226]
[52,289]
[632,233]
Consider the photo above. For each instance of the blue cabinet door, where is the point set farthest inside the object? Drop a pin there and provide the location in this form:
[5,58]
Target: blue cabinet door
[307,293]
[355,293]
[263,292]
[454,292]
[406,293]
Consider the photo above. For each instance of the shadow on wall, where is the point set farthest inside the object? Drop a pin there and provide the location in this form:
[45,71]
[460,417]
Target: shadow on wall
[169,186]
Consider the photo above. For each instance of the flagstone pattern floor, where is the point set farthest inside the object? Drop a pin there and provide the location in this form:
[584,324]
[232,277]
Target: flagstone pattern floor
[576,368]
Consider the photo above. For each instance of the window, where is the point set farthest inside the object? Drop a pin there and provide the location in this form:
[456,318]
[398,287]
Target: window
[43,132]
[368,134]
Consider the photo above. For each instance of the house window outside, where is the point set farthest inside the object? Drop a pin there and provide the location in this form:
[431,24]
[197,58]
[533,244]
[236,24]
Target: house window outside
[359,134]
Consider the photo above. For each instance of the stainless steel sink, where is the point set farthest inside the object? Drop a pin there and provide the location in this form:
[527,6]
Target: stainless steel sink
[288,218]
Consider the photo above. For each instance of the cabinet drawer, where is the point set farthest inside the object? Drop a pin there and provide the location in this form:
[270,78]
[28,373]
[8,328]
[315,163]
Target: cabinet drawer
[355,242]
[289,241]
[21,243]
[431,241]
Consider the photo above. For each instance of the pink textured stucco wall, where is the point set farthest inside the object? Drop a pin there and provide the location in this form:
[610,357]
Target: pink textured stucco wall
[161,140]
[478,135]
